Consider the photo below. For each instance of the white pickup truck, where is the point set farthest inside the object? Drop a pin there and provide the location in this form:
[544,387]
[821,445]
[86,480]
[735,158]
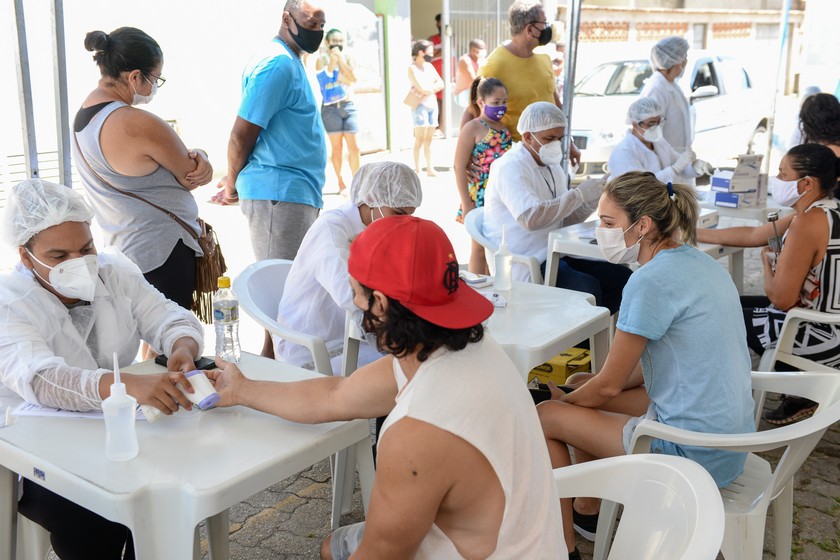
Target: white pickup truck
[730,114]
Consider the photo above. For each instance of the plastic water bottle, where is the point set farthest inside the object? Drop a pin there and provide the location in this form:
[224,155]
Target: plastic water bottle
[226,319]
[503,261]
[120,410]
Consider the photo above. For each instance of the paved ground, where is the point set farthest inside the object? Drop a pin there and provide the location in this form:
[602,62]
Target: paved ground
[289,520]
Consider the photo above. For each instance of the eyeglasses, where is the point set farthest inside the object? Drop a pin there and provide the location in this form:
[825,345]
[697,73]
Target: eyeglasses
[649,123]
[536,22]
[159,81]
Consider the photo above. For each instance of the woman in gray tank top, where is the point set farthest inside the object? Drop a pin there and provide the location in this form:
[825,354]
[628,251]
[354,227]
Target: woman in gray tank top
[122,148]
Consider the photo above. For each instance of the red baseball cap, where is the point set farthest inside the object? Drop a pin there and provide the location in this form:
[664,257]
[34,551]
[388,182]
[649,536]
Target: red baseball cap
[412,261]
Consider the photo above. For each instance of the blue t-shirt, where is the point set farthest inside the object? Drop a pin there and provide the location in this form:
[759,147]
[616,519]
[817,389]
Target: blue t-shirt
[696,364]
[332,91]
[290,156]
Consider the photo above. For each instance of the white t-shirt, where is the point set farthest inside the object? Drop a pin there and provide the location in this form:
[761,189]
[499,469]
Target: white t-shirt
[529,200]
[478,395]
[317,293]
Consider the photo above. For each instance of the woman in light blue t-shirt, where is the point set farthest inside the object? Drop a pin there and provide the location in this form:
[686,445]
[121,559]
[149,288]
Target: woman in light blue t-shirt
[679,355]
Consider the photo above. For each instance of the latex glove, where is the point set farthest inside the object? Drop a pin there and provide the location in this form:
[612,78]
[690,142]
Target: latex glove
[591,189]
[683,161]
[703,167]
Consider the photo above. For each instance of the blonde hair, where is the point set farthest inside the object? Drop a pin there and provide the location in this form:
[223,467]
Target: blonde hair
[672,208]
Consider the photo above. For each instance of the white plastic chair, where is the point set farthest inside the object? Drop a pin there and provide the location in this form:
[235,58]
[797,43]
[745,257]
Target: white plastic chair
[259,288]
[33,541]
[672,508]
[474,222]
[747,499]
[783,352]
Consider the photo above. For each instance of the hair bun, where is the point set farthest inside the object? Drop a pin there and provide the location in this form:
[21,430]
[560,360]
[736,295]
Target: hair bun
[96,41]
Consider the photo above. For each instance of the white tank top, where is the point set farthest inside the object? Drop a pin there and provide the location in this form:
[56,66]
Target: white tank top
[478,395]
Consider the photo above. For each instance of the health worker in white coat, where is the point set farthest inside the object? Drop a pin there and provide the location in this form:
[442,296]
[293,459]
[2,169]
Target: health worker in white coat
[64,311]
[668,58]
[317,295]
[528,194]
[644,148]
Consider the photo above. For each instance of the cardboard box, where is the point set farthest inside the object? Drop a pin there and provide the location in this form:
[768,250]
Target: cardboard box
[708,218]
[756,198]
[558,368]
[744,178]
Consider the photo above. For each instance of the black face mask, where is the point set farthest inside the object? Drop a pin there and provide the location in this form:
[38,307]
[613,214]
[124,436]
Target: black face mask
[428,58]
[545,35]
[339,47]
[306,39]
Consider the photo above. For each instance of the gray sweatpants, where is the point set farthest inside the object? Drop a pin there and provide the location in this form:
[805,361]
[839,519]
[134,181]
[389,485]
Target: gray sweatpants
[277,228]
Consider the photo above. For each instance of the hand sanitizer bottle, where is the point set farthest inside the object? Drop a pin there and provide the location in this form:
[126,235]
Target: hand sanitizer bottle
[503,261]
[120,413]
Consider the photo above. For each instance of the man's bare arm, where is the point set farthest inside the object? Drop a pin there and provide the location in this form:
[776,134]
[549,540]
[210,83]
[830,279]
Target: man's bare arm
[243,138]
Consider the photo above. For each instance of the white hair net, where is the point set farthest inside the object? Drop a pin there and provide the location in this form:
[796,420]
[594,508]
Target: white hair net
[386,184]
[668,52]
[643,109]
[35,205]
[540,116]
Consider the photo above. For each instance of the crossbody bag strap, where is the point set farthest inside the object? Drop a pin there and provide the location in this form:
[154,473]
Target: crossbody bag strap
[172,215]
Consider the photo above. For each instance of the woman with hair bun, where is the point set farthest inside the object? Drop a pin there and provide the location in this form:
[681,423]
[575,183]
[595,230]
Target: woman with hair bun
[677,306]
[802,274]
[123,152]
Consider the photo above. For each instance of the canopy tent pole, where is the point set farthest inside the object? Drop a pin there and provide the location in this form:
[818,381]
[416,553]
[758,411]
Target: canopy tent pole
[771,119]
[61,109]
[30,150]
[572,29]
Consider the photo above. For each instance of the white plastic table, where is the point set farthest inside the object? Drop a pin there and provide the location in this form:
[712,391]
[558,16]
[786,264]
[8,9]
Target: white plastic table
[190,467]
[540,322]
[755,213]
[578,241]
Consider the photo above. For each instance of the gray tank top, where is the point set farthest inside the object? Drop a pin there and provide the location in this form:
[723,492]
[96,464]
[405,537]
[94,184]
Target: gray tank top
[145,234]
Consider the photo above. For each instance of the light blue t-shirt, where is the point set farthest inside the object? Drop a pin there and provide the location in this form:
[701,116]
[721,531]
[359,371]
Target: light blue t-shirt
[696,364]
[290,156]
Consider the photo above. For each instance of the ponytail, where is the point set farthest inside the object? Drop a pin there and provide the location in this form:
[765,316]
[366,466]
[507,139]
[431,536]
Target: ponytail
[672,208]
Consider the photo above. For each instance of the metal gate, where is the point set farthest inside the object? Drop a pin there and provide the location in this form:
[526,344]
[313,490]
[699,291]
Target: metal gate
[469,19]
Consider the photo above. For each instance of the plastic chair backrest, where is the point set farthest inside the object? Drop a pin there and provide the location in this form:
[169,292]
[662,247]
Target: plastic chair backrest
[259,288]
[783,351]
[672,507]
[751,494]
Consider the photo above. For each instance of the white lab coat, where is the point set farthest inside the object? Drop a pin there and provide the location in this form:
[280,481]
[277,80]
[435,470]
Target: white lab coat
[519,197]
[38,334]
[631,154]
[677,128]
[318,294]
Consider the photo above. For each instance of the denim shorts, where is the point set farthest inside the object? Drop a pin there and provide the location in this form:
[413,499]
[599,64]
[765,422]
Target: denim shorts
[340,117]
[425,116]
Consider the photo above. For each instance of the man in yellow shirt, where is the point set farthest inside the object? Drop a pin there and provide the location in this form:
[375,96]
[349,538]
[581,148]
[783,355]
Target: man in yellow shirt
[528,76]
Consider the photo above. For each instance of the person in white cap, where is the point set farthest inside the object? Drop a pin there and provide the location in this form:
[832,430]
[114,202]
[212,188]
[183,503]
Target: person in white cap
[317,294]
[66,310]
[528,194]
[644,148]
[668,58]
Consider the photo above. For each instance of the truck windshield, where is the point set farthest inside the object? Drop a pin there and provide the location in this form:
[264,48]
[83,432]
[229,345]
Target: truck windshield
[615,78]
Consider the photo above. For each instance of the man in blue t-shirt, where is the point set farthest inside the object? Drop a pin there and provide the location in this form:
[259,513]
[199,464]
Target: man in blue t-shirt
[277,148]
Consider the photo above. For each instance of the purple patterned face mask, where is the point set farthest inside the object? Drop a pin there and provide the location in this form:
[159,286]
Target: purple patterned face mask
[495,112]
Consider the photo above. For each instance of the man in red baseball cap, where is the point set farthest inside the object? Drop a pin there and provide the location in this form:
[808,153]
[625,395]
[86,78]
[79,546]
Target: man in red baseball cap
[462,467]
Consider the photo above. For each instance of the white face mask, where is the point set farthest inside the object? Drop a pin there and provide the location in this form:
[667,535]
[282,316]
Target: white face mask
[143,99]
[73,278]
[614,248]
[653,134]
[785,193]
[550,153]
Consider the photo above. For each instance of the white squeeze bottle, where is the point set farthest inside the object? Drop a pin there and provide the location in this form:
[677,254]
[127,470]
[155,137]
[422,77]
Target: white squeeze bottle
[503,261]
[120,413]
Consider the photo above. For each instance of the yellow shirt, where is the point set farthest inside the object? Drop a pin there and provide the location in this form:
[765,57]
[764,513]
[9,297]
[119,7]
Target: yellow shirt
[527,80]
